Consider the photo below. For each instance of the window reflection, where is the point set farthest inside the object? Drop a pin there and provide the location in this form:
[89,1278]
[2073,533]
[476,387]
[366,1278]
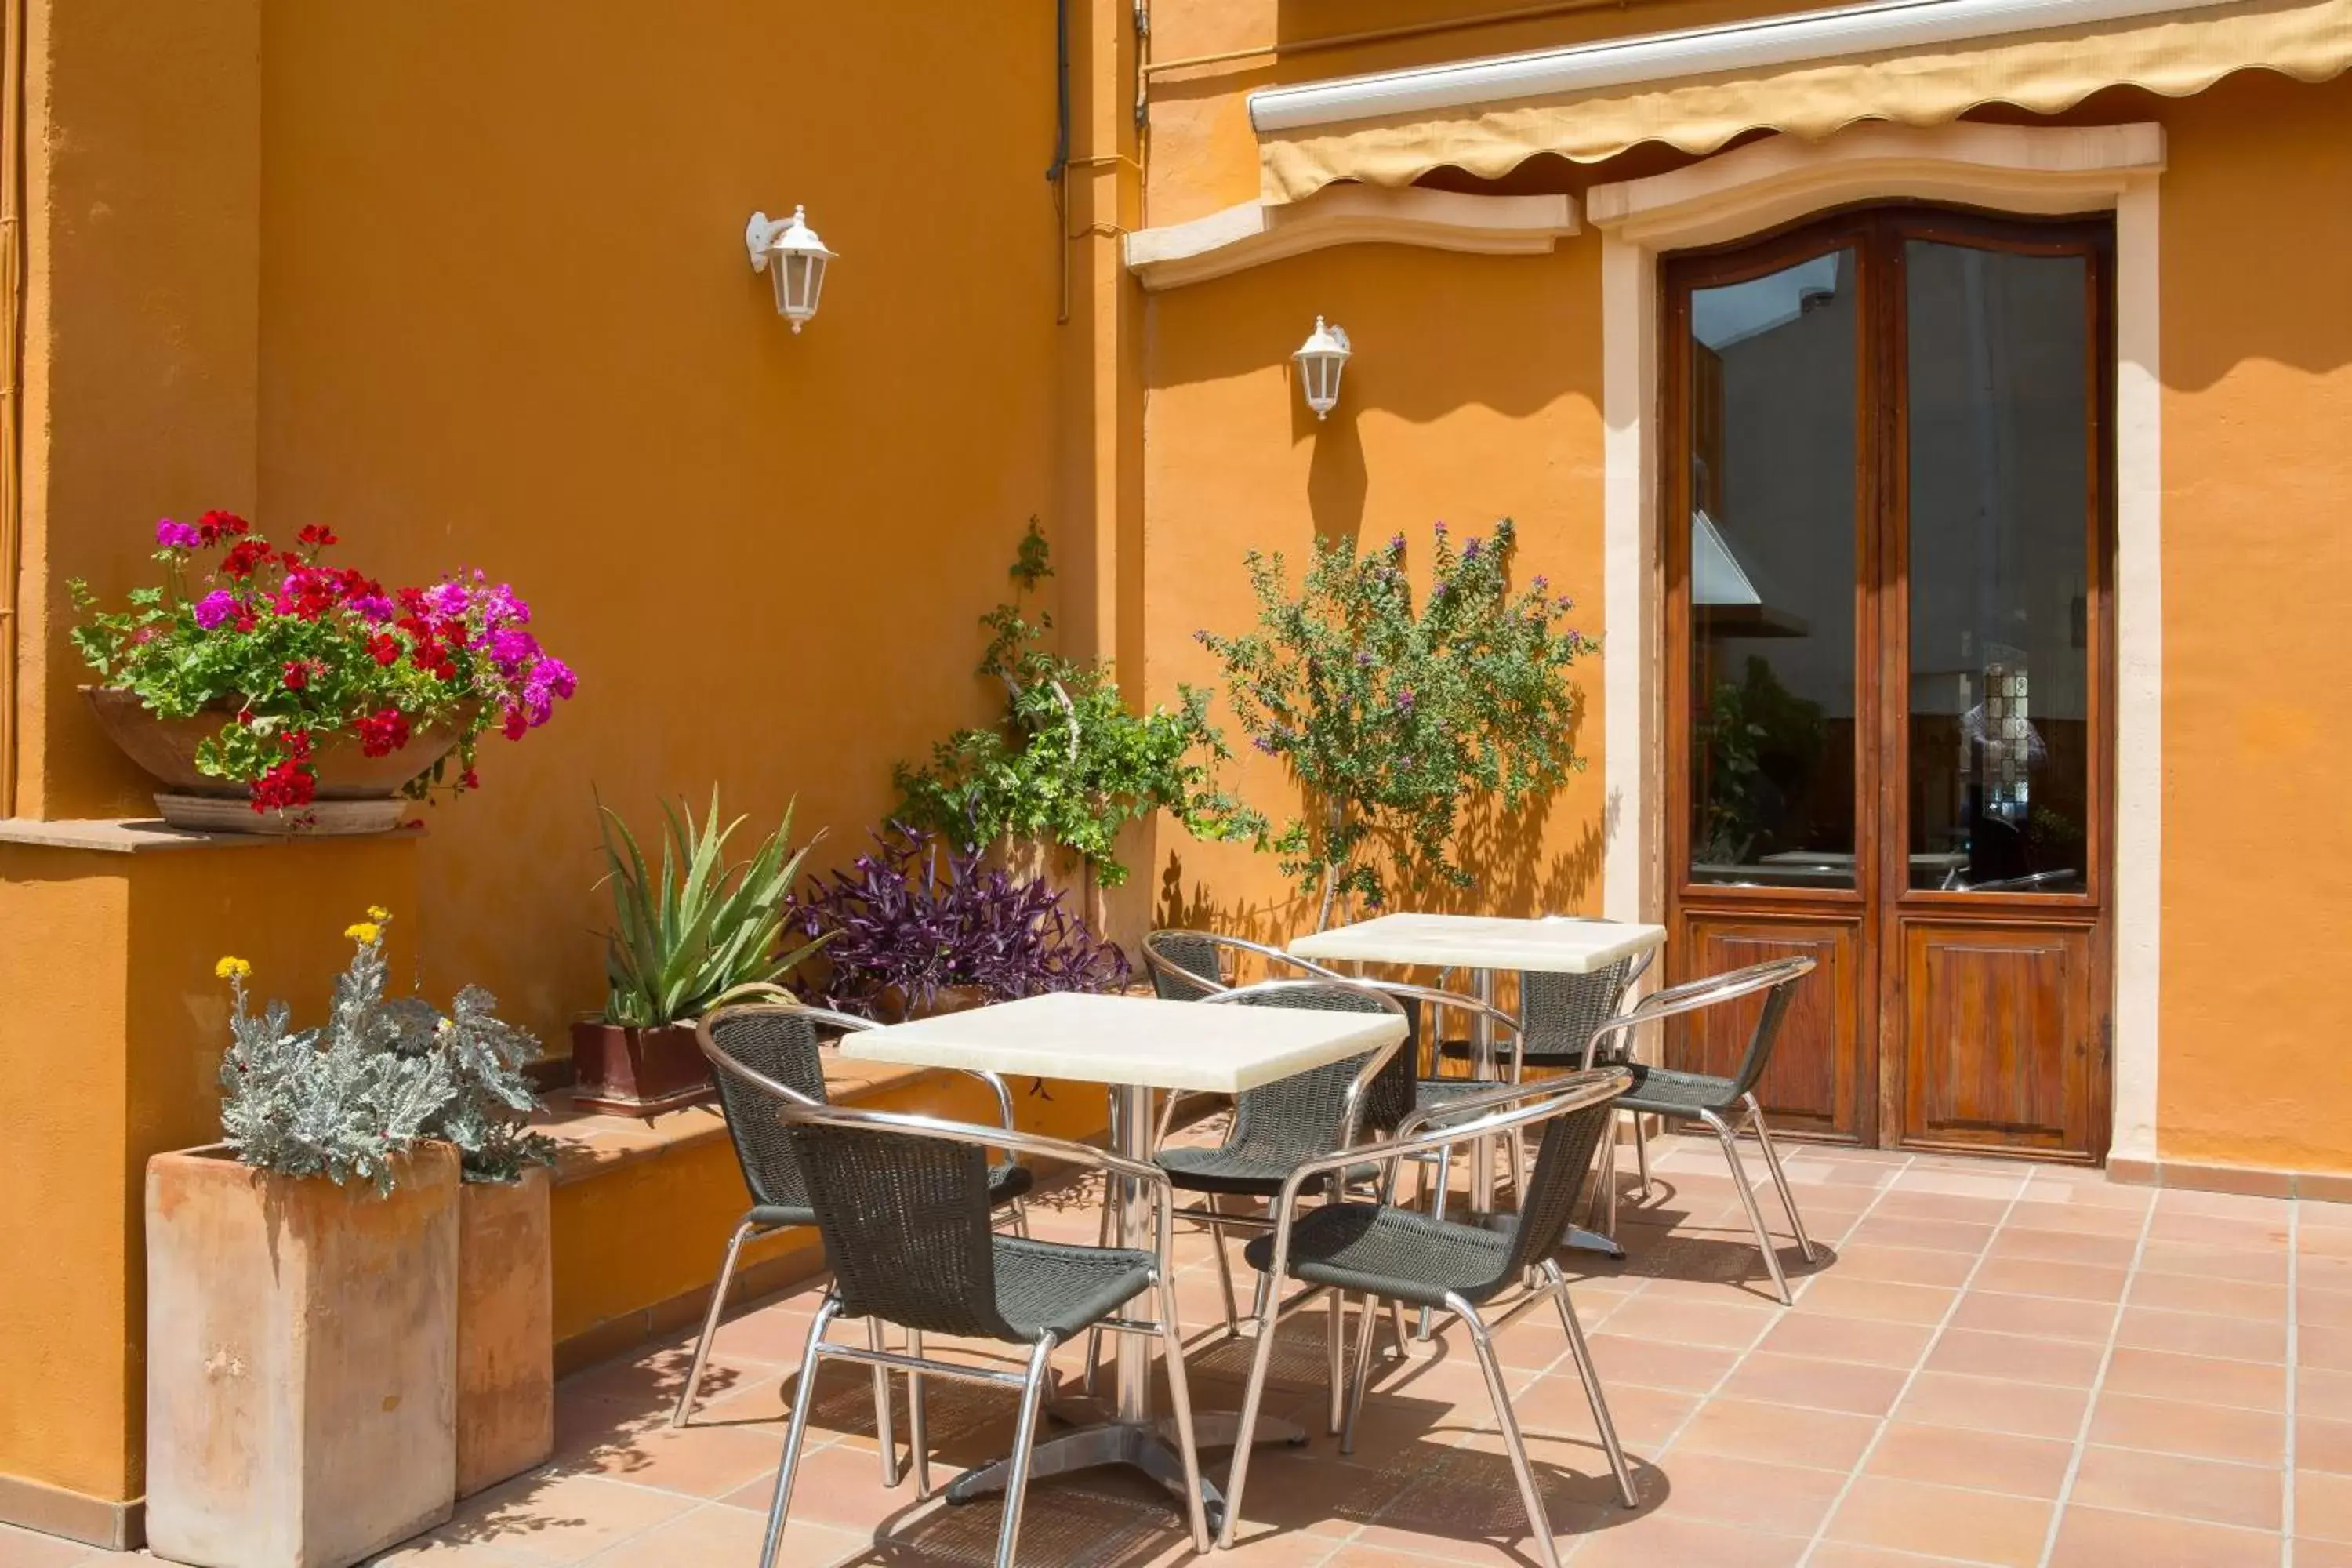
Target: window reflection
[1773,412]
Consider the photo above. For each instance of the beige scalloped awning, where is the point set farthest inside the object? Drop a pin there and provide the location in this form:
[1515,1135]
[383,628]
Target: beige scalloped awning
[2175,54]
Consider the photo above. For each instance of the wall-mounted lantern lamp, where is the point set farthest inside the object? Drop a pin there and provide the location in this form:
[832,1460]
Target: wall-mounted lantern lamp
[1320,359]
[793,257]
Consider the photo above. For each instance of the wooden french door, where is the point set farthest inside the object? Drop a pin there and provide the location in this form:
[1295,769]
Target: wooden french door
[1889,667]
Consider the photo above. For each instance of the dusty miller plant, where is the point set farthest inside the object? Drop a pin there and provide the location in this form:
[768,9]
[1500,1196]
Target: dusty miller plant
[348,1100]
[1391,714]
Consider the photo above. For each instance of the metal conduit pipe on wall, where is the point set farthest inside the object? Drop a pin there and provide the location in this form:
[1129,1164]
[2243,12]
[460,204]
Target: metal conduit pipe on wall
[12,332]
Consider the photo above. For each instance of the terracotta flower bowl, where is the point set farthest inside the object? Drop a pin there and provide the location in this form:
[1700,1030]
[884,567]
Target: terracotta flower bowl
[357,793]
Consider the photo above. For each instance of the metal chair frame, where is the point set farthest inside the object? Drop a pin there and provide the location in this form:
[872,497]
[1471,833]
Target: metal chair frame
[1031,1381]
[783,1001]
[1771,976]
[1500,1112]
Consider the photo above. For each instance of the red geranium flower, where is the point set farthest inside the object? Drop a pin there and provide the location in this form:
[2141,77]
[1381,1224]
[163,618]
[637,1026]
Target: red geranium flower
[385,648]
[317,536]
[244,556]
[216,526]
[383,733]
[297,674]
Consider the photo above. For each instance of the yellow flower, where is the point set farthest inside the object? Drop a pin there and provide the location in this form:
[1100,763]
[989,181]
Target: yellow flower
[378,912]
[232,969]
[366,931]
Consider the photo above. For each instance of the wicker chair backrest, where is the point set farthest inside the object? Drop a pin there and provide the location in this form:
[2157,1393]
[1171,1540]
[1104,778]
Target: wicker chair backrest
[1561,1010]
[778,1042]
[1303,1116]
[1184,964]
[1556,1183]
[906,1226]
[1760,1040]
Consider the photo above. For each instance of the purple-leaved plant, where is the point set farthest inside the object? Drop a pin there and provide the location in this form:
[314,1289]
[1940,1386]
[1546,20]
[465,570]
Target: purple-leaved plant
[907,921]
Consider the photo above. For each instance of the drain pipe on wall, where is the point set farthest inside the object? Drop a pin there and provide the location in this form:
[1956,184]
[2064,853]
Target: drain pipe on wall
[11,446]
[1058,173]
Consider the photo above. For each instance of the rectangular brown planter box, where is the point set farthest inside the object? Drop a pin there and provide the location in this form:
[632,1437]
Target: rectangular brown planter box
[636,1072]
[506,1331]
[301,1360]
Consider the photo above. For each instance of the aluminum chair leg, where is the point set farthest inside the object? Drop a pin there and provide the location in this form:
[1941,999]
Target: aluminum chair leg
[1103,1234]
[1780,1178]
[1642,1153]
[917,1440]
[686,1395]
[1363,1373]
[1224,1272]
[1423,1329]
[1025,1438]
[1755,1211]
[1396,1324]
[803,1401]
[1530,1496]
[1269,1319]
[1179,1395]
[1580,1353]
[1021,1218]
[885,1429]
[1335,1360]
[1609,1181]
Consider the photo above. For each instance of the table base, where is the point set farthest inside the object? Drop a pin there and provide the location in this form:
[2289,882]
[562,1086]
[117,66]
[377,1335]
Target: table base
[1148,1447]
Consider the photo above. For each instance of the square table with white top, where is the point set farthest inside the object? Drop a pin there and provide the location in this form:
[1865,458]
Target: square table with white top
[1134,1044]
[1553,944]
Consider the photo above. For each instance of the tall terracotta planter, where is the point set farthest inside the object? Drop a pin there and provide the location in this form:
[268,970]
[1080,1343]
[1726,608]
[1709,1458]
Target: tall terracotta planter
[302,1356]
[506,1329]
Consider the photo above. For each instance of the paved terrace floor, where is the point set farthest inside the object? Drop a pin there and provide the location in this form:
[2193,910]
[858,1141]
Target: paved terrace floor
[1992,1364]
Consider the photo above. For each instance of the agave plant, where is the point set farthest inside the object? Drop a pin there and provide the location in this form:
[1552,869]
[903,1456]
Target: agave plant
[702,926]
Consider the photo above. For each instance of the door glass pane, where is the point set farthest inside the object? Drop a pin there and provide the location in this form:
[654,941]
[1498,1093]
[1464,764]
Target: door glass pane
[1773,412]
[1999,498]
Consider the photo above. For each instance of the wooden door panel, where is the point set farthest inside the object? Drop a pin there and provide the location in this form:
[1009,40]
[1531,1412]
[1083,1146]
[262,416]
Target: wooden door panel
[1813,1082]
[2000,1038]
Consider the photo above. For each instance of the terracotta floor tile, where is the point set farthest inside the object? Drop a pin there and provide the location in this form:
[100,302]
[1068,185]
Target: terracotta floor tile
[2318,1392]
[2209,1489]
[30,1549]
[2326,1271]
[2042,1316]
[1910,1516]
[2319,1345]
[2070,1364]
[2203,1333]
[1780,1433]
[700,1461]
[1994,1405]
[1985,1462]
[2035,1214]
[2323,1505]
[1970,1181]
[1942,1235]
[1966,1210]
[1840,1296]
[2095,1538]
[715,1534]
[2252,1266]
[1292,1489]
[1904,1265]
[2186,1293]
[1845,1554]
[1731,1324]
[2200,1431]
[1783,1499]
[2250,1386]
[2230,1205]
[2216,1230]
[559,1519]
[1625,1359]
[2329,1309]
[2321,1444]
[1868,1339]
[1817,1384]
[1651,1540]
[2312,1553]
[2044,1277]
[2063,1247]
[1555,1404]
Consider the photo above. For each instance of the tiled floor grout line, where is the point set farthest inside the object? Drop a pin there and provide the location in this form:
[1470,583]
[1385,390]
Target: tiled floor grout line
[2098,1386]
[2294,1348]
[1878,1432]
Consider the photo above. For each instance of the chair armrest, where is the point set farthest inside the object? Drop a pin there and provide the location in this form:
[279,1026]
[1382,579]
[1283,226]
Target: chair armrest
[996,1082]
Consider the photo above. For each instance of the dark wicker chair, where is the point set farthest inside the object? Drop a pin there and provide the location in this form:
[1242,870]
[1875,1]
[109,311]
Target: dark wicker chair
[903,1203]
[1380,1250]
[1726,1105]
[778,1041]
[1298,1118]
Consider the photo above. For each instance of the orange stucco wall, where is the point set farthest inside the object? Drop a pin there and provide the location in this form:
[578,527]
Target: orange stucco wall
[2257,346]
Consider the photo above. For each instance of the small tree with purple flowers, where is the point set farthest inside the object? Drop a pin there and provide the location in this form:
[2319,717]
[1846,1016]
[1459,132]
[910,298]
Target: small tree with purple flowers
[1391,714]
